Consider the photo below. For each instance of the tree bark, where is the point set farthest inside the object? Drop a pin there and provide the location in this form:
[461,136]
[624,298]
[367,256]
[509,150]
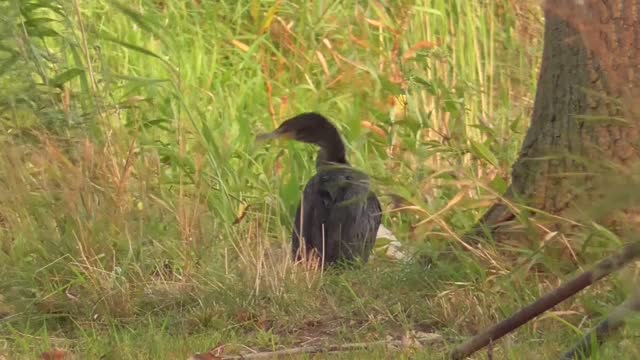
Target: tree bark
[583,137]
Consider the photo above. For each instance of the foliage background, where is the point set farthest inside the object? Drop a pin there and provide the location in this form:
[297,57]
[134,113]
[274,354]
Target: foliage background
[139,219]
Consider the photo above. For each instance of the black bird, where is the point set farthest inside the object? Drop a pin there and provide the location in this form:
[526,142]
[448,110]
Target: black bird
[339,214]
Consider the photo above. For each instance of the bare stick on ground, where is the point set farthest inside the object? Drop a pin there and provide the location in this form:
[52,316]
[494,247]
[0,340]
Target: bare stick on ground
[614,321]
[601,270]
[419,340]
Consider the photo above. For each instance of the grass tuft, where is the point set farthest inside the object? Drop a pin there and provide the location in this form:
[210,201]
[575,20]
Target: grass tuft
[138,218]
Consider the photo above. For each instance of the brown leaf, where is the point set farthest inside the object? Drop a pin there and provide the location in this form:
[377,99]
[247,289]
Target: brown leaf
[359,42]
[240,45]
[323,63]
[421,45]
[373,128]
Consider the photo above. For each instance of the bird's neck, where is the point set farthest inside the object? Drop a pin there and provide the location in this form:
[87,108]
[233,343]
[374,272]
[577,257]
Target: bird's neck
[331,154]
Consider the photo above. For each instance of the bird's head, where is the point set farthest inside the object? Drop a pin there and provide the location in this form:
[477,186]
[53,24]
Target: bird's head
[311,128]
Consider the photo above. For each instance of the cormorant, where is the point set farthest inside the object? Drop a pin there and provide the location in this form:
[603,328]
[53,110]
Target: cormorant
[339,214]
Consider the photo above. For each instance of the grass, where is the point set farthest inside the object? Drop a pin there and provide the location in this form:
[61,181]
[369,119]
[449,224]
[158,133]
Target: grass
[138,219]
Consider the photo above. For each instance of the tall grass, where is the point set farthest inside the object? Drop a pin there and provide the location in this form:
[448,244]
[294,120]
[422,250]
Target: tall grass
[138,218]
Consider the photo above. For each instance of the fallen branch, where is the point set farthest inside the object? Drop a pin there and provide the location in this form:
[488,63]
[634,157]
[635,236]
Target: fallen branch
[421,339]
[601,270]
[614,321]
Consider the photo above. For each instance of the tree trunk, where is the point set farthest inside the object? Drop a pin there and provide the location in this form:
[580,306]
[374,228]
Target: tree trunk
[583,128]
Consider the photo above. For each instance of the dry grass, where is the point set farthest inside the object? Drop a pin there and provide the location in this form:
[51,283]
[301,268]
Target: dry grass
[139,220]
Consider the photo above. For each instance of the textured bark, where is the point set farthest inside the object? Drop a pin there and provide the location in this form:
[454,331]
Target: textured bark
[584,125]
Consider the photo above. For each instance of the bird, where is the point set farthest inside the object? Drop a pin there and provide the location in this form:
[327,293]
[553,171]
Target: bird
[338,216]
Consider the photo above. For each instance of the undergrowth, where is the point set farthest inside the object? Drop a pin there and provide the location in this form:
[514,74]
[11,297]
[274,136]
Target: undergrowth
[138,219]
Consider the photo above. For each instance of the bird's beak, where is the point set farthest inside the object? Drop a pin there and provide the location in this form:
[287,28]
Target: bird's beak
[274,135]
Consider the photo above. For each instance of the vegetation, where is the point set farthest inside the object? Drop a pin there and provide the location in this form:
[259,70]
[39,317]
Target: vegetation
[138,219]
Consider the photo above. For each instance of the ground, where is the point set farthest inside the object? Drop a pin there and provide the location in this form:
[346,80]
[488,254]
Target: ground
[139,219]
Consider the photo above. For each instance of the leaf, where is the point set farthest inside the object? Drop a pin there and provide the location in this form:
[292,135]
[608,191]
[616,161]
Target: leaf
[240,45]
[421,45]
[483,152]
[499,185]
[606,233]
[142,21]
[382,243]
[137,79]
[515,125]
[66,76]
[30,7]
[162,124]
[270,16]
[8,63]
[485,129]
[373,128]
[33,22]
[382,14]
[254,11]
[7,49]
[136,48]
[389,86]
[42,32]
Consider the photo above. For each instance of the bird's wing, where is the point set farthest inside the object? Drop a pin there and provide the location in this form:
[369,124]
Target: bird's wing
[311,214]
[340,217]
[375,219]
[353,220]
[364,218]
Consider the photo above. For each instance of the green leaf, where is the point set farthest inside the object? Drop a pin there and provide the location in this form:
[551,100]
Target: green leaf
[66,76]
[255,9]
[163,124]
[34,22]
[515,125]
[29,8]
[6,65]
[483,152]
[606,234]
[485,129]
[381,244]
[270,16]
[135,48]
[145,22]
[499,185]
[42,32]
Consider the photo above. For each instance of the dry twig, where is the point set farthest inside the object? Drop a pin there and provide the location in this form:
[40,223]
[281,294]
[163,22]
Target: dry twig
[614,321]
[421,339]
[601,270]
